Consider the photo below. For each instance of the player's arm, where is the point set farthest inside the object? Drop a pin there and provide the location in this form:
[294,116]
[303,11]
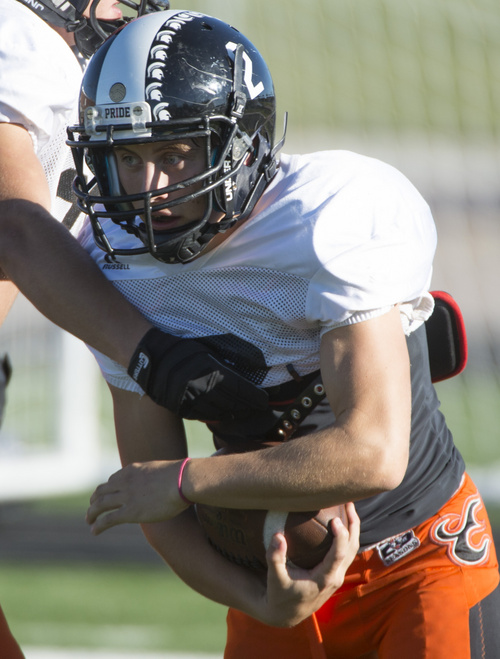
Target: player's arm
[147,432]
[366,374]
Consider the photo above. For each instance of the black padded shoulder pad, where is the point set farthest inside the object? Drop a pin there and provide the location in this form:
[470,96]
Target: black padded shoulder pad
[446,338]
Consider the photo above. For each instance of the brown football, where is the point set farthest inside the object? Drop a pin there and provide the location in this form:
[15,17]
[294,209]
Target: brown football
[243,536]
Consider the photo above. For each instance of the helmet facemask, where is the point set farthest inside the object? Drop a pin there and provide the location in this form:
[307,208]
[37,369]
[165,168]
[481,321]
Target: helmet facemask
[225,152]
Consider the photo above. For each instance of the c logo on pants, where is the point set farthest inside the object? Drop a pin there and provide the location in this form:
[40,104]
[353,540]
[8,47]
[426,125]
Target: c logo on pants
[467,540]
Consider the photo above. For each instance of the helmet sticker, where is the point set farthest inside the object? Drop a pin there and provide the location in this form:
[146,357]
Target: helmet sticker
[159,54]
[135,114]
[253,90]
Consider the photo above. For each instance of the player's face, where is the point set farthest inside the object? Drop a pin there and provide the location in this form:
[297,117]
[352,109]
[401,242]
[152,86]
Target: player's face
[107,10]
[151,166]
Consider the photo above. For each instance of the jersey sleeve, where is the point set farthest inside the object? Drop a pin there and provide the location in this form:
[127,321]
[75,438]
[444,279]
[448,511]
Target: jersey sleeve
[40,75]
[39,83]
[115,374]
[375,244]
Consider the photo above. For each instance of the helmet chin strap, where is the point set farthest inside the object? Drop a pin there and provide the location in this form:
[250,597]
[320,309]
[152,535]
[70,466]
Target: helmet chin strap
[194,244]
[184,244]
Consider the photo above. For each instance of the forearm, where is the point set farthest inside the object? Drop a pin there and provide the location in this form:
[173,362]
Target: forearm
[152,440]
[183,546]
[50,268]
[318,471]
[283,597]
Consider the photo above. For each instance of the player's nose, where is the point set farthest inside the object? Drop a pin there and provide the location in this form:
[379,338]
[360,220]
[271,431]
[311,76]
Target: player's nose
[154,177]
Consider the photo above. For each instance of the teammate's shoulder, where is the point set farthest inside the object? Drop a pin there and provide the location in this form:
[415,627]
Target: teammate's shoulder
[15,15]
[25,35]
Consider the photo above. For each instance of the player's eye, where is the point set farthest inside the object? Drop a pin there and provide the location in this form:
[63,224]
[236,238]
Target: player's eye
[172,160]
[128,159]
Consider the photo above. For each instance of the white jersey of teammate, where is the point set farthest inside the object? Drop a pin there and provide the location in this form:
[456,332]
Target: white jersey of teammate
[39,87]
[335,239]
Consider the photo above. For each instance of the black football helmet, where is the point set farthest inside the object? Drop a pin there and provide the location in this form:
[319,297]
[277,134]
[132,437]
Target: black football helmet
[175,75]
[89,32]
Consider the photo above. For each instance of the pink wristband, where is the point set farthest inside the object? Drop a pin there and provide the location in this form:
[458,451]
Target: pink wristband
[179,482]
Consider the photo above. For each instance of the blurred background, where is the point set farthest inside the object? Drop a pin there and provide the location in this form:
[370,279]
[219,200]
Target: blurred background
[413,83]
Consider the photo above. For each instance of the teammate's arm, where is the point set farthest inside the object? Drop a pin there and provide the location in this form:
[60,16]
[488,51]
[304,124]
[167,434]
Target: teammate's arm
[52,270]
[48,265]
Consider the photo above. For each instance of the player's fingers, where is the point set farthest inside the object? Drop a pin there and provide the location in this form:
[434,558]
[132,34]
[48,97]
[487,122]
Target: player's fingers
[354,525]
[104,522]
[103,503]
[101,491]
[347,537]
[339,553]
[342,552]
[120,480]
[276,559]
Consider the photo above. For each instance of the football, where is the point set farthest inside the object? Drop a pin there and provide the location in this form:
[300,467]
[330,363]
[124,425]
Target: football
[243,536]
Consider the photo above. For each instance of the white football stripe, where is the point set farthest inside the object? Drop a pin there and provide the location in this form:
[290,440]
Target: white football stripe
[274,523]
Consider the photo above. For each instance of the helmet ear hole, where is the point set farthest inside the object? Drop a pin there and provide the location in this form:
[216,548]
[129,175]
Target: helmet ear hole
[241,146]
[253,153]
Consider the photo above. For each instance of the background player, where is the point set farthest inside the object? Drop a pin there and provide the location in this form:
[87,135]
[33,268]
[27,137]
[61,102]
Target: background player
[41,76]
[318,262]
[39,85]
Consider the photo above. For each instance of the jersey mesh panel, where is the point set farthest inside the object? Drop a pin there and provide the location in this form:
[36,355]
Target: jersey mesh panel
[262,311]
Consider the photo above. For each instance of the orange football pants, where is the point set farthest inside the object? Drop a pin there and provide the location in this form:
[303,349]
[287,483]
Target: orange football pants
[408,596]
[9,649]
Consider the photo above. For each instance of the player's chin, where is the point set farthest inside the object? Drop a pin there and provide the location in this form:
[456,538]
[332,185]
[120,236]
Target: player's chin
[111,13]
[161,225]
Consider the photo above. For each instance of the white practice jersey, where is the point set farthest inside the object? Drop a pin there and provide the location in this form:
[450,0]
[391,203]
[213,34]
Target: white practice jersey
[336,238]
[39,86]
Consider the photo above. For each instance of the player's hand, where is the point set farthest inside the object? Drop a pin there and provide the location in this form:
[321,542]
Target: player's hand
[184,376]
[140,492]
[293,594]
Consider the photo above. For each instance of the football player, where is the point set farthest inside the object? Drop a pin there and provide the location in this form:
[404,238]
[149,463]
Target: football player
[288,268]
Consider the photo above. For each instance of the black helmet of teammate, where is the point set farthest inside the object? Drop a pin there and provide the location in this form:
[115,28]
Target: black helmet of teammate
[177,75]
[89,32]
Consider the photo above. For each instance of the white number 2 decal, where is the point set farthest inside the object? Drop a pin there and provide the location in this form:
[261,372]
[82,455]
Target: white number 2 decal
[253,90]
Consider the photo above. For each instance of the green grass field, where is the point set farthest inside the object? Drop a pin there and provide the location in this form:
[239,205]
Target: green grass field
[130,607]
